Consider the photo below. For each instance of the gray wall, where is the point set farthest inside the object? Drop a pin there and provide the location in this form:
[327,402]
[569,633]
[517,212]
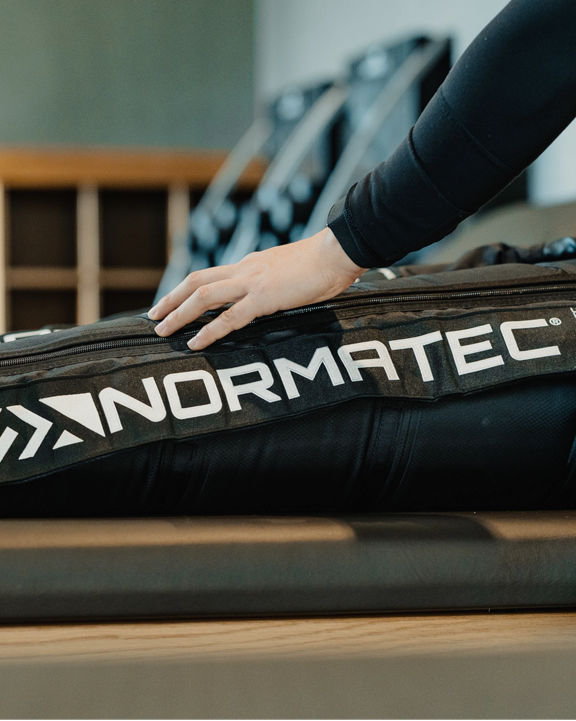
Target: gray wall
[304,40]
[126,72]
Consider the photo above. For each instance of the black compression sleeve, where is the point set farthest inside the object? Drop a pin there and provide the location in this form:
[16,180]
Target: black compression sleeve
[510,94]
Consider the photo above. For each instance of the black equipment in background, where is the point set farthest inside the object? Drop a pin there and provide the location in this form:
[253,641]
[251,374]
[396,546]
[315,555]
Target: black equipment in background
[389,86]
[295,177]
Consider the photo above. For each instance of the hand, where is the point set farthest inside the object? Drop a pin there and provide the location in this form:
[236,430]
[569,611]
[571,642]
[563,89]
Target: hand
[287,276]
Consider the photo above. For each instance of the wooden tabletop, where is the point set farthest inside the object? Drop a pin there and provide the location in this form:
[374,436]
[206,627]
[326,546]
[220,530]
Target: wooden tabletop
[474,665]
[306,638]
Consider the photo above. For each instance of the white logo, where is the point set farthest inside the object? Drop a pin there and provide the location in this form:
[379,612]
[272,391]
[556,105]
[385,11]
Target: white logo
[196,393]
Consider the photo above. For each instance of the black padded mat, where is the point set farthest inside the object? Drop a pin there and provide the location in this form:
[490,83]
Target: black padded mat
[260,566]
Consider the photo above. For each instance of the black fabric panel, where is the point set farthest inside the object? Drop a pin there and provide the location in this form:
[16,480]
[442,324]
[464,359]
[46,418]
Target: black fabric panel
[72,396]
[480,416]
[509,449]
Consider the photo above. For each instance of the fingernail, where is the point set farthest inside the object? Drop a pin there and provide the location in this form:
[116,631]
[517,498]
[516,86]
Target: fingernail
[160,328]
[193,343]
[152,312]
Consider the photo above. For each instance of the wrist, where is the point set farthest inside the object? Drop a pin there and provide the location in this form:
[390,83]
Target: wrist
[331,248]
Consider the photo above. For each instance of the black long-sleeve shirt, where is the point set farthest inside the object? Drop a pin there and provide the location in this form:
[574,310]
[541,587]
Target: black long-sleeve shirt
[511,93]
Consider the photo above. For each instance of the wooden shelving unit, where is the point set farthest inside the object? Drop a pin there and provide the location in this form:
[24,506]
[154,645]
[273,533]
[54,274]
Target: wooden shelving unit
[87,233]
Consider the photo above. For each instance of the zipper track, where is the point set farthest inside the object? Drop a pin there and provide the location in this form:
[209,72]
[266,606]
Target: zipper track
[409,297]
[336,305]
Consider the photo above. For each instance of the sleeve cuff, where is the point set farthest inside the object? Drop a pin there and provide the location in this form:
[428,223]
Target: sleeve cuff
[341,225]
[437,177]
[398,209]
[338,224]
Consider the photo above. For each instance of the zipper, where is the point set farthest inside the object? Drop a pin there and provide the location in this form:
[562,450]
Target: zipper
[414,297]
[332,305]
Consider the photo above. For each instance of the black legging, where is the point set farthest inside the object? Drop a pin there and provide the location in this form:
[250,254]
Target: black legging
[505,449]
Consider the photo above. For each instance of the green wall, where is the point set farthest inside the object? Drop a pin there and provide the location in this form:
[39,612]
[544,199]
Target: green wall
[172,73]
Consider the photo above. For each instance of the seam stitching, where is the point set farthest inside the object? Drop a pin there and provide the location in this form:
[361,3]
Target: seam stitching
[492,158]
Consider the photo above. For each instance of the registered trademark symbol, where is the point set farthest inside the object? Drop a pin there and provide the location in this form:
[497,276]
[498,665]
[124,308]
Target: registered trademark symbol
[555,321]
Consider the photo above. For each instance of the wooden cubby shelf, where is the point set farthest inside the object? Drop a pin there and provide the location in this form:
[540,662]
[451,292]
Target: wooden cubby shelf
[87,233]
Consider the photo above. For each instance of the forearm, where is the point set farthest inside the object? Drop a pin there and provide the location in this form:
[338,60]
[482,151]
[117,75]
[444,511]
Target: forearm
[512,92]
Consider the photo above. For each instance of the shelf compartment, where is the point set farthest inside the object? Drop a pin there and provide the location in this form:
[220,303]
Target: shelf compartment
[41,227]
[133,228]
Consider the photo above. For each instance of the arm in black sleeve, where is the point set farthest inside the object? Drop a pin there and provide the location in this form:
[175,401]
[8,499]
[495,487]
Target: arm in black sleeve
[511,93]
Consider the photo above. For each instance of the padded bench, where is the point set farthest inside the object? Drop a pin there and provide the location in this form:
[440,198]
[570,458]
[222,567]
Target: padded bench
[187,567]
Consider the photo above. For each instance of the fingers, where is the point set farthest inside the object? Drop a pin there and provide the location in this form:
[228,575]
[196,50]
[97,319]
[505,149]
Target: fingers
[206,297]
[183,290]
[279,278]
[235,317]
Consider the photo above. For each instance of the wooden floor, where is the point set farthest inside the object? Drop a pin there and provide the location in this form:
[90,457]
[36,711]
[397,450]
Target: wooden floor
[484,665]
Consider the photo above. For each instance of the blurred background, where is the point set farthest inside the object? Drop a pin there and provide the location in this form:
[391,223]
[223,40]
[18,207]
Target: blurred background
[117,114]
